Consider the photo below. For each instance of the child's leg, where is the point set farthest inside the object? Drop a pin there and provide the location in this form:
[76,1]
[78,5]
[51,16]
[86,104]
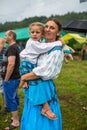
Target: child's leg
[46,111]
[25,68]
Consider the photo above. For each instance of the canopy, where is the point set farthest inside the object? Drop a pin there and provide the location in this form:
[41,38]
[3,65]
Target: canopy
[22,33]
[76,26]
[76,37]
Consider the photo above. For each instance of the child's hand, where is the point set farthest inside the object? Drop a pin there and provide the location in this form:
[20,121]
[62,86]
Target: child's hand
[62,40]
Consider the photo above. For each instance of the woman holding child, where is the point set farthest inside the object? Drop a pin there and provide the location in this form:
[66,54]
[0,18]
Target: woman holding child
[34,117]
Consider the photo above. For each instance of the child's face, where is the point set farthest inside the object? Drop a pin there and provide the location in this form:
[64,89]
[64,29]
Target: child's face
[36,33]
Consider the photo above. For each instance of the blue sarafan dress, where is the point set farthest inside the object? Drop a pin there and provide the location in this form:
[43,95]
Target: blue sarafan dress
[41,91]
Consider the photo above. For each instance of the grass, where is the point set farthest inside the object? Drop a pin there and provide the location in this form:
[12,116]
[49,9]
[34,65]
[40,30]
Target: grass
[71,87]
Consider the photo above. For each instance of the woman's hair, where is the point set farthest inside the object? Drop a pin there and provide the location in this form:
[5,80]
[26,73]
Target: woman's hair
[40,25]
[58,23]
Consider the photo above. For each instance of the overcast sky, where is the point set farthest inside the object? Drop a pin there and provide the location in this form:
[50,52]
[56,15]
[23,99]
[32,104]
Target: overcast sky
[17,10]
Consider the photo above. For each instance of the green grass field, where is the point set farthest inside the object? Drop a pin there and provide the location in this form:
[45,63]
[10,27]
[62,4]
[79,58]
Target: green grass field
[71,87]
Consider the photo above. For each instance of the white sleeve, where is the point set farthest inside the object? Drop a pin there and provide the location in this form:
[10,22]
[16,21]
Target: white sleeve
[44,47]
[37,48]
[51,68]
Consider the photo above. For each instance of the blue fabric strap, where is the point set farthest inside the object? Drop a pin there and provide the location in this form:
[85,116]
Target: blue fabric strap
[55,48]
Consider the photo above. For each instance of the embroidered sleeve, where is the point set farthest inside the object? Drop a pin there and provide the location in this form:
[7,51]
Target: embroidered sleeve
[49,67]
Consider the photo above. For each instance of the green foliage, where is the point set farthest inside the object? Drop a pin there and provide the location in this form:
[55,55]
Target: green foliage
[72,92]
[71,88]
[78,46]
[75,45]
[25,23]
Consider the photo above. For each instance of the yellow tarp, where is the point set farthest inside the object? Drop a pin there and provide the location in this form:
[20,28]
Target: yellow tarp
[77,37]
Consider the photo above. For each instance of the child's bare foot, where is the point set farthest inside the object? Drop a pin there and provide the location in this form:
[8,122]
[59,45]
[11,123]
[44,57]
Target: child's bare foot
[49,114]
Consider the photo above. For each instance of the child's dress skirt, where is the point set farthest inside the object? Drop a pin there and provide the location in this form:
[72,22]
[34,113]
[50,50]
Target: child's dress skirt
[39,91]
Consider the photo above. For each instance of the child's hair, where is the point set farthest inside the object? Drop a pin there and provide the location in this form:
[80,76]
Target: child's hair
[40,25]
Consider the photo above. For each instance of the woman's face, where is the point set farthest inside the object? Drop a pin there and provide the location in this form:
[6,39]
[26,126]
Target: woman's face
[51,31]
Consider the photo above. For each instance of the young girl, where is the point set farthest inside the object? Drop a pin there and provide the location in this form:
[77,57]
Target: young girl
[29,57]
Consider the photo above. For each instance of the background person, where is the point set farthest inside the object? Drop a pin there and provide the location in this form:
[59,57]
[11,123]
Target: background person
[2,58]
[84,52]
[11,81]
[32,113]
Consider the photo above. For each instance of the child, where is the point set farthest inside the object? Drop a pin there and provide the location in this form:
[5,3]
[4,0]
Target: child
[32,51]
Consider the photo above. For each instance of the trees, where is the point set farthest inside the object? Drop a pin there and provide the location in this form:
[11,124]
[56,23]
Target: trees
[25,23]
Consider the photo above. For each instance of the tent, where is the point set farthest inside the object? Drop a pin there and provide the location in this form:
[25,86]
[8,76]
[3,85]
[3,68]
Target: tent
[74,36]
[22,33]
[76,26]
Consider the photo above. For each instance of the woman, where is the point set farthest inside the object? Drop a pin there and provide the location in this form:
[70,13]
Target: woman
[32,119]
